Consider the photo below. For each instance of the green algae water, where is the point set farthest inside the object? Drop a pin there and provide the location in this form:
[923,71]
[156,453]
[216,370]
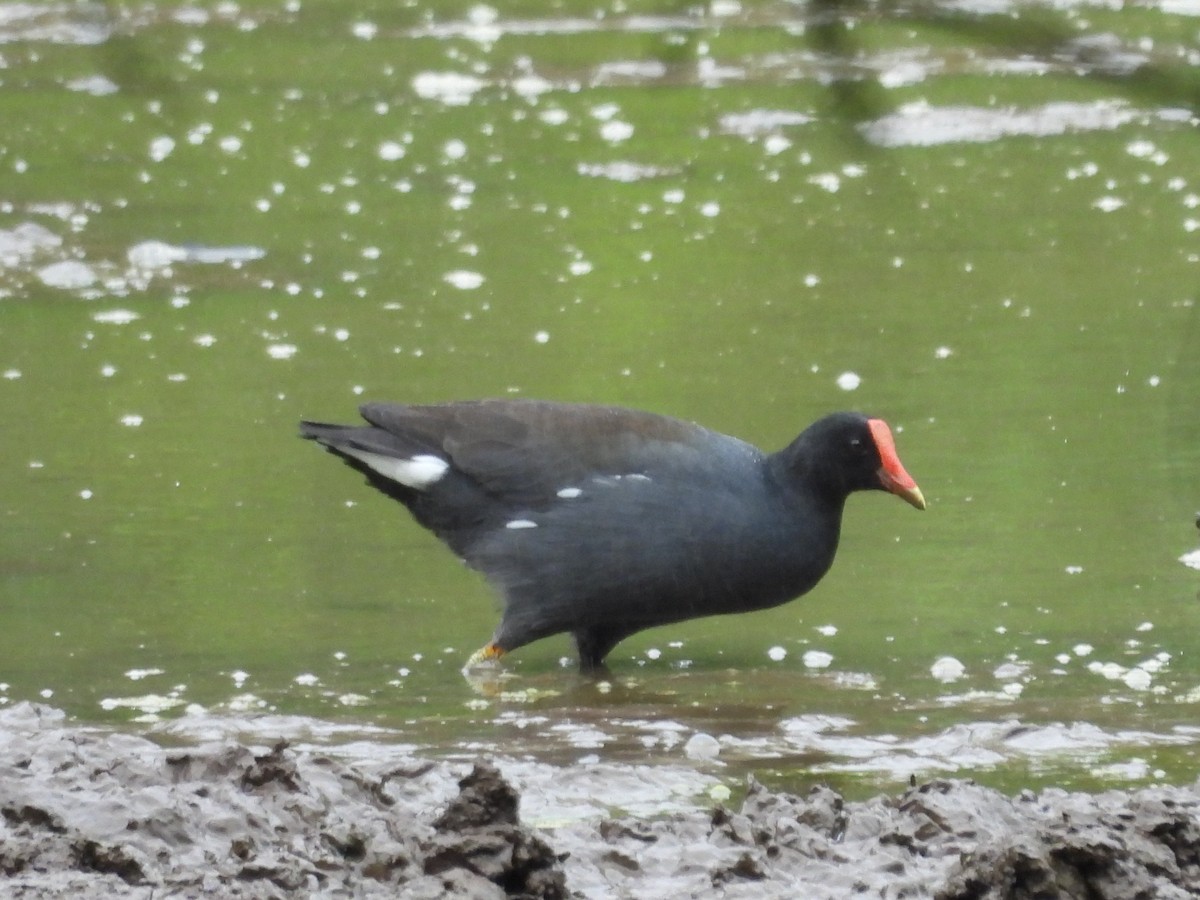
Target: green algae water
[978,221]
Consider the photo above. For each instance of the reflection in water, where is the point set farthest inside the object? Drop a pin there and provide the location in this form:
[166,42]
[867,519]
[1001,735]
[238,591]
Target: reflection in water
[1038,36]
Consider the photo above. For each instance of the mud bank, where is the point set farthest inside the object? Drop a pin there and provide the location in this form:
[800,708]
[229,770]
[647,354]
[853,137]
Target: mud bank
[88,813]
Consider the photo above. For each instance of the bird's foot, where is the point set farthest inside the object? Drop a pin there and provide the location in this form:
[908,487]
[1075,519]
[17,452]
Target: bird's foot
[483,671]
[487,655]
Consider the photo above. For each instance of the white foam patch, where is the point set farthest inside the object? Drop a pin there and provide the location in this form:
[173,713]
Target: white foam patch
[161,148]
[616,131]
[756,122]
[624,171]
[463,279]
[629,70]
[70,274]
[923,125]
[96,85]
[978,745]
[702,746]
[115,316]
[569,493]
[817,659]
[517,524]
[418,472]
[449,88]
[849,381]
[149,704]
[154,255]
[947,669]
[281,351]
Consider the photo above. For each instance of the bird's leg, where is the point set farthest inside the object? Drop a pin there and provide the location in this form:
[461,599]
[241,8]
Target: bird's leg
[483,673]
[488,653]
[593,644]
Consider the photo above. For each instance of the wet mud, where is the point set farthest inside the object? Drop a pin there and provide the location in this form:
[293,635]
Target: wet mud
[89,813]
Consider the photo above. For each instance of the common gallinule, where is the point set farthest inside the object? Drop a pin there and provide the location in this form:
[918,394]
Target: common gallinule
[602,521]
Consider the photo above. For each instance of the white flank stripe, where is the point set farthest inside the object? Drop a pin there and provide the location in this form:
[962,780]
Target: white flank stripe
[418,473]
[520,523]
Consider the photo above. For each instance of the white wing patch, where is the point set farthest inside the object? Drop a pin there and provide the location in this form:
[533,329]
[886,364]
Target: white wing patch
[417,472]
[521,523]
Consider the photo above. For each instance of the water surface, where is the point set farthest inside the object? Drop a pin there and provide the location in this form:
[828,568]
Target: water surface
[976,220]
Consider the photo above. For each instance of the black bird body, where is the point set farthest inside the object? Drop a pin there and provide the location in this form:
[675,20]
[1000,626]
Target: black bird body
[601,521]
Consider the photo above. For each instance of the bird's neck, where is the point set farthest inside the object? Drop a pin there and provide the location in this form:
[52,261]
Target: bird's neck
[798,470]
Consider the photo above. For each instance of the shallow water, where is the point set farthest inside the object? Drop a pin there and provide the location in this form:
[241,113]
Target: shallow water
[976,220]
